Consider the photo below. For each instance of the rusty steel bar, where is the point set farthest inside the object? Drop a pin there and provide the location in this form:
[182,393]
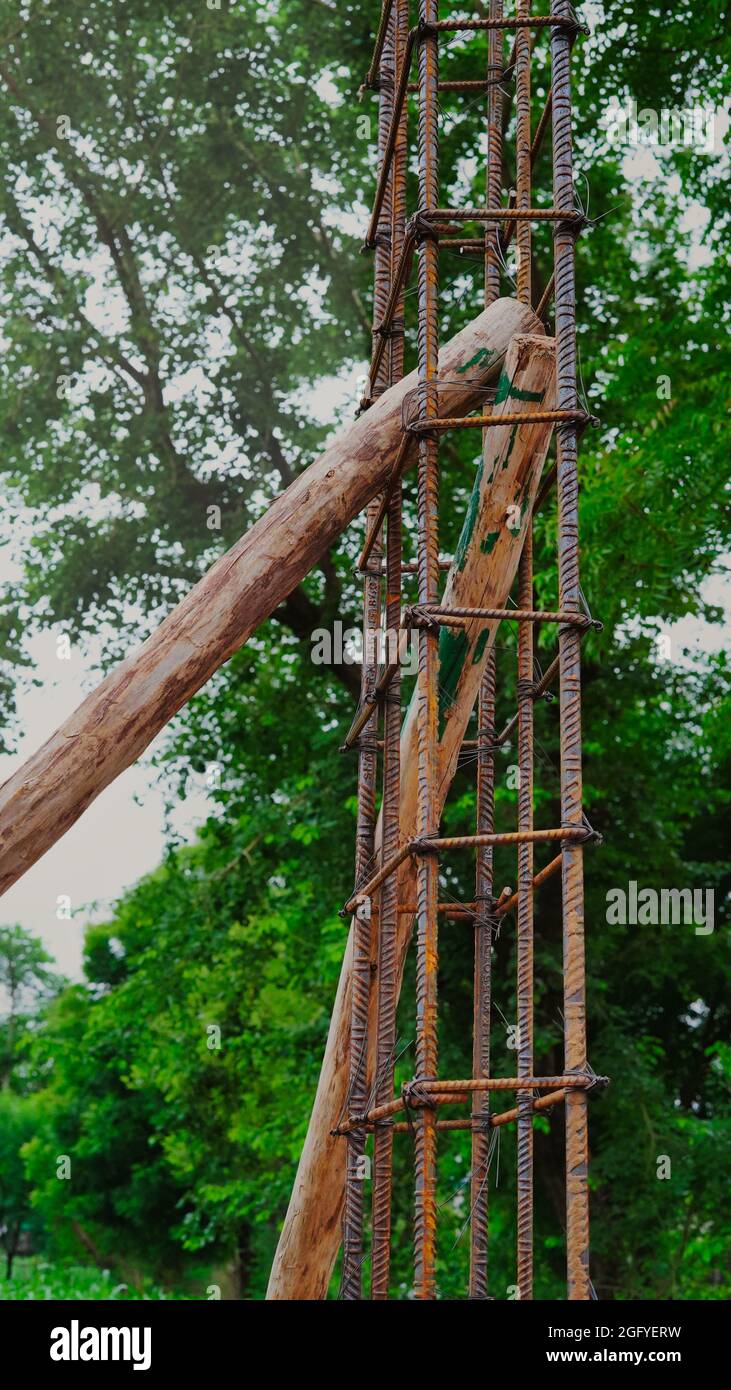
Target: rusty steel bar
[483,927]
[503,906]
[487,214]
[503,1117]
[372,701]
[374,526]
[577,1147]
[387,961]
[523,152]
[480,85]
[524,988]
[507,1083]
[542,876]
[494,151]
[400,275]
[546,21]
[539,689]
[425,1213]
[482,988]
[352,1280]
[372,76]
[397,110]
[531,417]
[370,887]
[510,837]
[533,615]
[430,845]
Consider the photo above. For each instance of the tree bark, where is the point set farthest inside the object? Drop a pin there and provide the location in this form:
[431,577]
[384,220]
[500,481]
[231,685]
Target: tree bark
[481,576]
[118,720]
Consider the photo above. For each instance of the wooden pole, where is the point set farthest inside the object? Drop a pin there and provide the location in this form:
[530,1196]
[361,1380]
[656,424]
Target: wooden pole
[481,576]
[117,721]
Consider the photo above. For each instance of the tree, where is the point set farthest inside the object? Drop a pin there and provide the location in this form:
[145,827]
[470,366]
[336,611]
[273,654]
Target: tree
[25,979]
[199,393]
[18,1117]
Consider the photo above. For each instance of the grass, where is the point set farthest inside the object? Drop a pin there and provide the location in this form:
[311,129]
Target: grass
[36,1278]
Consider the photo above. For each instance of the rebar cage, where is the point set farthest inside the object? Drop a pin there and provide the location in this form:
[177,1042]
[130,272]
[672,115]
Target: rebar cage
[396,242]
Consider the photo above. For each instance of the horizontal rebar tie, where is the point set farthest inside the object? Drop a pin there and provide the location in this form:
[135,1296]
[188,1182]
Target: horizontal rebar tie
[527,417]
[578,833]
[419,615]
[427,1094]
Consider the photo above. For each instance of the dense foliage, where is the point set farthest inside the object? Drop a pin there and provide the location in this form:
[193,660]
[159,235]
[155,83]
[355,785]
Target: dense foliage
[183,195]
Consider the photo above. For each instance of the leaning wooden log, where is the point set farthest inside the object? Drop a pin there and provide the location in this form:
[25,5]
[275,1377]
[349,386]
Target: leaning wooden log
[481,576]
[118,720]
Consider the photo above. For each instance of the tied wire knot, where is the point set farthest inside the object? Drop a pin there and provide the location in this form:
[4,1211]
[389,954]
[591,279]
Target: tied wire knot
[419,228]
[415,616]
[413,1095]
[487,918]
[589,835]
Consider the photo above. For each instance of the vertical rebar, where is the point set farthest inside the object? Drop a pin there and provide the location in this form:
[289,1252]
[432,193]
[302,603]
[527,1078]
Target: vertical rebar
[387,977]
[495,47]
[428,561]
[482,997]
[577,1151]
[525,925]
[523,151]
[482,988]
[363,925]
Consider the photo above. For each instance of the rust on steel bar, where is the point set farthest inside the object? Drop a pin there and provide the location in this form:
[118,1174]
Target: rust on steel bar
[507,1083]
[545,299]
[370,887]
[482,987]
[483,927]
[376,523]
[384,331]
[533,615]
[504,904]
[539,689]
[426,1094]
[545,21]
[352,1275]
[531,417]
[377,695]
[434,844]
[425,1146]
[399,102]
[524,984]
[373,1108]
[524,945]
[488,214]
[542,876]
[577,1145]
[387,959]
[503,1117]
[372,76]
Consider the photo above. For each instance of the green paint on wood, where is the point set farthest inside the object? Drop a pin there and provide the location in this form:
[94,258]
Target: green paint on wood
[482,355]
[460,554]
[453,648]
[488,544]
[511,443]
[506,390]
[480,645]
